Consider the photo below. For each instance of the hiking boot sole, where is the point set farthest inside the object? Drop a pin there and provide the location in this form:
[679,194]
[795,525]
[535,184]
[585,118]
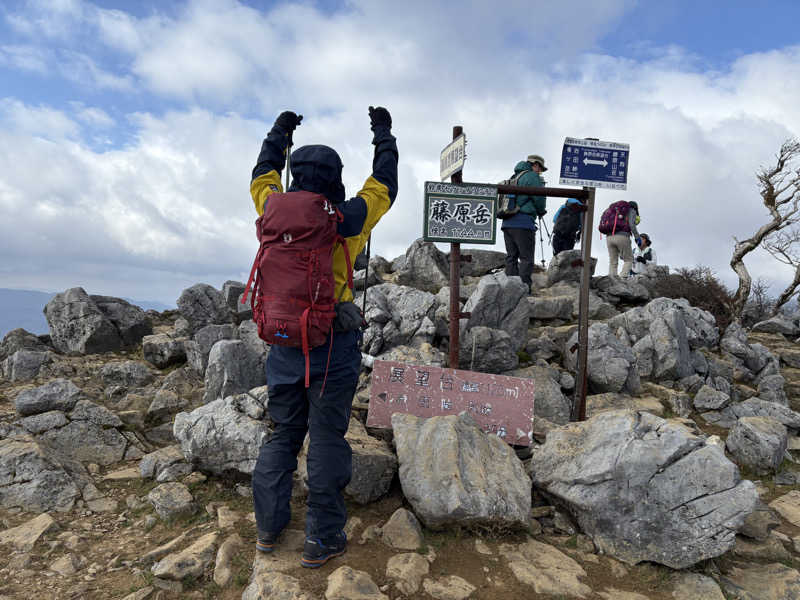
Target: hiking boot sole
[265,547]
[315,563]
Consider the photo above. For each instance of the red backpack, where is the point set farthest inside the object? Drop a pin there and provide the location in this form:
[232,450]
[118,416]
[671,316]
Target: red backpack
[293,285]
[615,218]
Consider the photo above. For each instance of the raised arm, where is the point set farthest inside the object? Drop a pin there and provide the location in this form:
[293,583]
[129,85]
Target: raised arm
[266,177]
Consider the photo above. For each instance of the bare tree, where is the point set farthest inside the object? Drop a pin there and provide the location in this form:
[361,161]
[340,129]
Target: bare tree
[779,187]
[783,246]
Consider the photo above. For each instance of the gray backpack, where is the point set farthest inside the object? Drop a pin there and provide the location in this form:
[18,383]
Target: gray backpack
[507,203]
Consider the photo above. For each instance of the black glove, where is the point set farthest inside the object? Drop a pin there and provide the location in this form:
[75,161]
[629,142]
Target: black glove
[288,121]
[348,317]
[379,117]
[639,259]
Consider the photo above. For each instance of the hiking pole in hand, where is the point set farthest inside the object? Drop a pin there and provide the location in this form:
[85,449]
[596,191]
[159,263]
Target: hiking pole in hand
[288,162]
[541,241]
[366,277]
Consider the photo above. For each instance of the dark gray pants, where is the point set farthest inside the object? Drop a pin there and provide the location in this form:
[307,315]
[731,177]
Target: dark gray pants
[520,245]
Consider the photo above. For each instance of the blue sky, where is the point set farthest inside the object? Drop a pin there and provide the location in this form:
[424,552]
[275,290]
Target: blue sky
[128,129]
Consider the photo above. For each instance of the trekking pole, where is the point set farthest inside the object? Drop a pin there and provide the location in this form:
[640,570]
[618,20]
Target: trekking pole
[541,241]
[366,277]
[288,162]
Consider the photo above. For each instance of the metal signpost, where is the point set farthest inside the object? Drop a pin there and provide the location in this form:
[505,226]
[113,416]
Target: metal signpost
[501,405]
[593,164]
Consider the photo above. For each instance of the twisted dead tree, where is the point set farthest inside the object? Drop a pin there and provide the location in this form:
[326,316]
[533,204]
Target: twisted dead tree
[779,187]
[784,247]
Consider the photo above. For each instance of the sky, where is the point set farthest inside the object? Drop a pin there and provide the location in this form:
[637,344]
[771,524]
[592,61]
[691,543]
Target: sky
[128,130]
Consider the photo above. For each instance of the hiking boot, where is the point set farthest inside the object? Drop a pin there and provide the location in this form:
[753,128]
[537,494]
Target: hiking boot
[316,551]
[266,542]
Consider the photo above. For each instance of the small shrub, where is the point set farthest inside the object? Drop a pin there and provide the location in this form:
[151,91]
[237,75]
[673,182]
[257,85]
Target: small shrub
[701,288]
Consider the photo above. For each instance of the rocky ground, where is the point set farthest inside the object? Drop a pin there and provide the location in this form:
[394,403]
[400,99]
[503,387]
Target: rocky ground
[126,443]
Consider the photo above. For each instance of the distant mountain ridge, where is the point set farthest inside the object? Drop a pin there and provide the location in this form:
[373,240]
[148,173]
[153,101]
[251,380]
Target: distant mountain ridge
[23,308]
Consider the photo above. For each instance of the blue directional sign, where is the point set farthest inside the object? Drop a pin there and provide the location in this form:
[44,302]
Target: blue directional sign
[594,163]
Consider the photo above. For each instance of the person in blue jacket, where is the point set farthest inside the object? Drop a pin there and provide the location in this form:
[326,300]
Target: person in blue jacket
[567,225]
[322,409]
[519,230]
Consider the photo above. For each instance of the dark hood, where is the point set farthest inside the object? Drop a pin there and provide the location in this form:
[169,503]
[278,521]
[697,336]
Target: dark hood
[317,169]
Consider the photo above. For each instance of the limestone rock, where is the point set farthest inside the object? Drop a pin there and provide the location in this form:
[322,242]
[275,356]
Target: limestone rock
[24,365]
[346,583]
[78,326]
[561,267]
[220,439]
[25,536]
[707,398]
[59,394]
[171,500]
[130,321]
[35,479]
[547,570]
[499,302]
[198,348]
[233,368]
[163,350]
[452,472]
[425,267]
[693,586]
[223,573]
[189,562]
[487,350]
[611,365]
[203,305]
[644,488]
[758,443]
[788,506]
[768,582]
[402,531]
[549,402]
[407,570]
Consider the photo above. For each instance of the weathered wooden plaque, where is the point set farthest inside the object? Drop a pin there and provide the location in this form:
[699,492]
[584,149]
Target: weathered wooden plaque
[501,405]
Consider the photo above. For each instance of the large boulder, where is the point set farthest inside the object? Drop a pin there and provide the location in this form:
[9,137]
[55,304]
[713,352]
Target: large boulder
[425,267]
[163,350]
[90,436]
[452,473]
[499,302]
[611,365]
[398,316]
[24,365]
[220,437]
[20,339]
[481,262]
[233,368]
[645,488]
[700,326]
[758,443]
[487,350]
[199,347]
[131,322]
[549,402]
[782,324]
[616,290]
[36,479]
[749,359]
[78,326]
[565,266]
[756,407]
[59,394]
[203,305]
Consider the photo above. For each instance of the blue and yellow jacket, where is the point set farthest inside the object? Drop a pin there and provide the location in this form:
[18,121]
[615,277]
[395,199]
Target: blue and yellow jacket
[319,169]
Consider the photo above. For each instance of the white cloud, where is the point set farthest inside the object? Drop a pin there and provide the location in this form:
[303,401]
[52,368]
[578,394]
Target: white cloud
[172,206]
[24,58]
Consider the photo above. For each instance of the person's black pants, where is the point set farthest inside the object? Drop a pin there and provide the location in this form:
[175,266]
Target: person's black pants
[520,246]
[561,243]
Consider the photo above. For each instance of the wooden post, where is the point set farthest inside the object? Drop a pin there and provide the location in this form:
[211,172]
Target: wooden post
[455,280]
[581,381]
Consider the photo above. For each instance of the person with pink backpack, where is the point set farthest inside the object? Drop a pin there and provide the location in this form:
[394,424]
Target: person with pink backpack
[302,299]
[618,222]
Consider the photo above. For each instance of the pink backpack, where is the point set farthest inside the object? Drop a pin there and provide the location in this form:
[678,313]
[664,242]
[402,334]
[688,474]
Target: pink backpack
[615,219]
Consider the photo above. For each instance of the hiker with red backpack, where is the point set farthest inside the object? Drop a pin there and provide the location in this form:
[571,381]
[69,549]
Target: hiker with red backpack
[618,222]
[519,223]
[309,238]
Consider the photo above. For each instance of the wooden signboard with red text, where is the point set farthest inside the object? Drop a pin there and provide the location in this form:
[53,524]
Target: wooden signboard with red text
[501,405]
